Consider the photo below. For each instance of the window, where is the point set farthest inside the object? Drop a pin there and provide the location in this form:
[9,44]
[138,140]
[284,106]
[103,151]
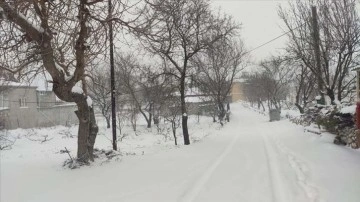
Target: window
[22,102]
[3,101]
[42,92]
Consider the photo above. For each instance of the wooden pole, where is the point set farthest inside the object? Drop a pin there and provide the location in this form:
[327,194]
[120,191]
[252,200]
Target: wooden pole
[316,44]
[112,79]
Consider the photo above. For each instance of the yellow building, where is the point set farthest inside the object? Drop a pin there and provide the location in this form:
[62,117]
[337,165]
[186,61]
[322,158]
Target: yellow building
[236,91]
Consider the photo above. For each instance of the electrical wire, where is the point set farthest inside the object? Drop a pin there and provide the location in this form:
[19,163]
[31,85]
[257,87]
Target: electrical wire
[264,44]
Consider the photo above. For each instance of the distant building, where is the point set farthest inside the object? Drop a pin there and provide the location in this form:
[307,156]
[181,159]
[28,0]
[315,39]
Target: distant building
[23,106]
[236,92]
[197,102]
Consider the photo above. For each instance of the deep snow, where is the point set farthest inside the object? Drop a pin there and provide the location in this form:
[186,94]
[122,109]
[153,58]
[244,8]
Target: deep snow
[250,159]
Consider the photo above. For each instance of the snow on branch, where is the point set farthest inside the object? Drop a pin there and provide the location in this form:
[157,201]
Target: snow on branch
[35,32]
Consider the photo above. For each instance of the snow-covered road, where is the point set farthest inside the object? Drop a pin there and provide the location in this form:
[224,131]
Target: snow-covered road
[250,160]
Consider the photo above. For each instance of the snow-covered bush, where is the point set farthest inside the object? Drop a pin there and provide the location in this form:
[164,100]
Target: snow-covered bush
[335,119]
[6,141]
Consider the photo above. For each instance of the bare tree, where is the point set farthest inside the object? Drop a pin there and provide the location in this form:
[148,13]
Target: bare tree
[144,87]
[252,90]
[62,38]
[172,114]
[277,75]
[270,83]
[99,90]
[339,28]
[155,89]
[176,31]
[122,116]
[304,85]
[217,67]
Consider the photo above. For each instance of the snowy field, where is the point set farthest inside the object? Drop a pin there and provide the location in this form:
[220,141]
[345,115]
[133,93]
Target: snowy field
[249,159]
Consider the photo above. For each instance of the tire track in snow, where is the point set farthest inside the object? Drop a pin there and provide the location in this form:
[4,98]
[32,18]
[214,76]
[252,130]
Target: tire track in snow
[193,192]
[276,183]
[302,172]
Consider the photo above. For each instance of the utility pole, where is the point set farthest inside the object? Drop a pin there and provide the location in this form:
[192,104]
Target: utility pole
[316,43]
[112,78]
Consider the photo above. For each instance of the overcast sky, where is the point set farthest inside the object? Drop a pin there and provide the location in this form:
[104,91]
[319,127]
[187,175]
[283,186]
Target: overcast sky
[260,23]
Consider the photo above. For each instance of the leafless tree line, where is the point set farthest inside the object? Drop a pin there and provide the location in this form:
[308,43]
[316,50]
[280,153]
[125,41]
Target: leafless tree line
[339,42]
[67,39]
[339,46]
[218,66]
[178,31]
[270,83]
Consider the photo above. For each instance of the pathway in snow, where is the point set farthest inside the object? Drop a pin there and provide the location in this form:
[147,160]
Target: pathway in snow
[250,160]
[254,168]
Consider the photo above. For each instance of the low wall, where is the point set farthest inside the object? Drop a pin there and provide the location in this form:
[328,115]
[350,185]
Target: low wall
[56,115]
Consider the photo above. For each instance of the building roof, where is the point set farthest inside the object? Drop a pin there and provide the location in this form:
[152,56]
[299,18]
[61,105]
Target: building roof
[239,80]
[197,99]
[15,84]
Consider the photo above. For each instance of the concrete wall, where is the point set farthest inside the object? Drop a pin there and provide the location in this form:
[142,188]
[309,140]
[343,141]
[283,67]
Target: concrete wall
[40,110]
[56,115]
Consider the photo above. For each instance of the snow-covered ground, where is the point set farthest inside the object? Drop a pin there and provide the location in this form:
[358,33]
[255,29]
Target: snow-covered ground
[249,159]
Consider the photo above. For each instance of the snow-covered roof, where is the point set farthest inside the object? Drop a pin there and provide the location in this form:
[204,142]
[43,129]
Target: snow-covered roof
[197,99]
[239,80]
[191,92]
[194,95]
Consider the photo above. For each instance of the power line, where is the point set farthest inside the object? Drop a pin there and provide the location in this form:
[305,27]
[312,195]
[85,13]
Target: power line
[275,38]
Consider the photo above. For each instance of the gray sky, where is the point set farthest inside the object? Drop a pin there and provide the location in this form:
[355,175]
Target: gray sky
[260,23]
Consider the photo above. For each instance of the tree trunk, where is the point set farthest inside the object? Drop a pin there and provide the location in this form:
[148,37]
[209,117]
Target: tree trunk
[221,112]
[301,109]
[184,112]
[339,91]
[174,131]
[185,130]
[331,94]
[228,112]
[87,130]
[133,121]
[94,129]
[228,116]
[150,117]
[107,121]
[261,104]
[156,120]
[149,121]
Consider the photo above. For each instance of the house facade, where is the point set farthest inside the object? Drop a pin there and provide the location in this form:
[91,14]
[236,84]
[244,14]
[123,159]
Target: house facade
[23,106]
[236,92]
[16,108]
